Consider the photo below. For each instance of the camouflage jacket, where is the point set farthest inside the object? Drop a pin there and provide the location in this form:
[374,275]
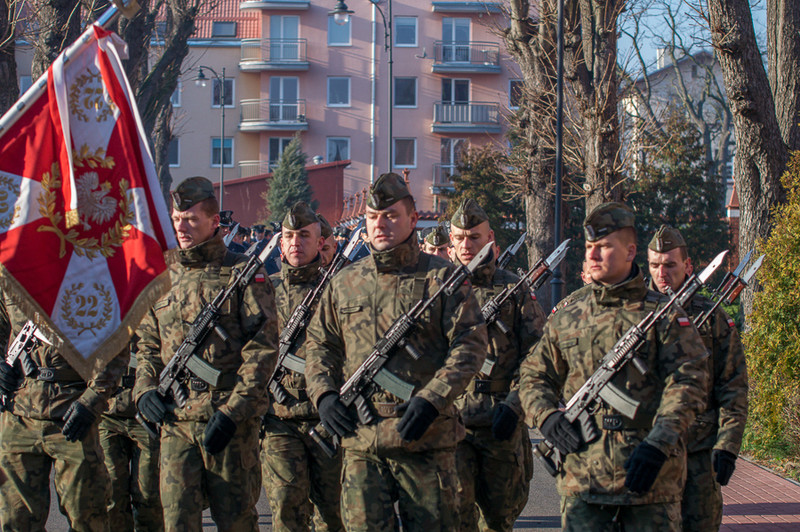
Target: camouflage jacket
[360,305]
[672,392]
[248,316]
[500,372]
[292,284]
[38,399]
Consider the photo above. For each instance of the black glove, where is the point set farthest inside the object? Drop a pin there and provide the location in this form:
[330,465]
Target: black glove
[9,379]
[504,421]
[418,414]
[219,431]
[560,432]
[152,406]
[77,422]
[643,466]
[724,464]
[334,416]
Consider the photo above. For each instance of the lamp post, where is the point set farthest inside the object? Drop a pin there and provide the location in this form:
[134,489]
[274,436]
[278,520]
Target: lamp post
[556,283]
[202,81]
[341,15]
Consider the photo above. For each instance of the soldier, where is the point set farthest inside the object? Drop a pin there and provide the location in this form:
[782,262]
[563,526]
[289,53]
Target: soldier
[436,243]
[131,458]
[209,448]
[632,473]
[298,475]
[51,422]
[406,454]
[490,459]
[329,245]
[238,245]
[714,438]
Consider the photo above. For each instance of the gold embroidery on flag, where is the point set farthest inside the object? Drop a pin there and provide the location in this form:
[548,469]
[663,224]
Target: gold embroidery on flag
[85,316]
[88,93]
[7,191]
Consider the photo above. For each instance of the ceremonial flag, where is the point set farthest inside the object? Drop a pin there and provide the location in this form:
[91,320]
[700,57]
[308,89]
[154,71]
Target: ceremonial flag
[83,224]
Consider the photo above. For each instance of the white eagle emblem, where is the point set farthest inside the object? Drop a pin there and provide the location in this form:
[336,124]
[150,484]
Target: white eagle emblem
[94,204]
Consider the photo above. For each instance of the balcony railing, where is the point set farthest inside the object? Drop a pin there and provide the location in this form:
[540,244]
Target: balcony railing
[443,177]
[274,54]
[273,115]
[275,4]
[253,168]
[465,117]
[473,56]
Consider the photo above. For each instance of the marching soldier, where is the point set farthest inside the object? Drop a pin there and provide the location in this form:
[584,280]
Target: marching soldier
[329,245]
[209,447]
[490,459]
[298,475]
[51,422]
[632,471]
[714,438]
[437,243]
[406,454]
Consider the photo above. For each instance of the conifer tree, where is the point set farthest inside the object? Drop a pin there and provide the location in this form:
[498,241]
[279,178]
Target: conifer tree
[289,182]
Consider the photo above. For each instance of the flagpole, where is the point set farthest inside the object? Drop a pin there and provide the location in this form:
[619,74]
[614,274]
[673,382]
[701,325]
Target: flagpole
[108,17]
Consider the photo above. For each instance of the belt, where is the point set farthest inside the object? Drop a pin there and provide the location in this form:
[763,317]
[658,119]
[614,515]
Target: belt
[385,409]
[616,422]
[226,382]
[66,376]
[489,385]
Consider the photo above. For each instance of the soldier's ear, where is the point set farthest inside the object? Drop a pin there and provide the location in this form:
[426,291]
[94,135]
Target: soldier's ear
[631,252]
[689,267]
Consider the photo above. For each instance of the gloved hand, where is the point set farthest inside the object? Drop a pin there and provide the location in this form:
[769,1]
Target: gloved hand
[77,422]
[152,406]
[9,379]
[219,431]
[643,466]
[334,416]
[504,421]
[560,432]
[418,414]
[724,464]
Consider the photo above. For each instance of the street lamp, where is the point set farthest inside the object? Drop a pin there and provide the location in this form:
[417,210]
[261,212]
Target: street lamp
[202,81]
[341,16]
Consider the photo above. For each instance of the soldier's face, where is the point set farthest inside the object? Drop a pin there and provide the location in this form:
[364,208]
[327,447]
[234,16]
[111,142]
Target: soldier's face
[609,259]
[391,226]
[328,250]
[468,242]
[440,251]
[301,246]
[669,269]
[194,225]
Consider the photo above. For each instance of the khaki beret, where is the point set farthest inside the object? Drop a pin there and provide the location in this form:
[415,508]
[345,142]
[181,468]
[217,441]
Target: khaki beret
[468,215]
[300,215]
[605,219]
[190,192]
[387,190]
[666,239]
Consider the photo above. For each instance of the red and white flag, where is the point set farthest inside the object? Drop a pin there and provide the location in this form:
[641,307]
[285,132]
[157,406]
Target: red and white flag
[83,223]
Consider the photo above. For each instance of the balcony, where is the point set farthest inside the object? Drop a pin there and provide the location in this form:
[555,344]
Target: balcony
[253,168]
[467,7]
[443,178]
[466,117]
[273,115]
[299,5]
[476,57]
[260,55]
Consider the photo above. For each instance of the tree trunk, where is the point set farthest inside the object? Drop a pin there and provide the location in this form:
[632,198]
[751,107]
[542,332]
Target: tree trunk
[59,24]
[9,88]
[783,55]
[162,136]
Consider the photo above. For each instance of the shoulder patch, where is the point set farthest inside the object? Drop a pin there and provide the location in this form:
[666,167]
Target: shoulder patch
[683,321]
[731,323]
[260,278]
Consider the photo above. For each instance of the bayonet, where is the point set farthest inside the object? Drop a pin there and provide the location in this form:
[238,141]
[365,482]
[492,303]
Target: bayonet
[511,252]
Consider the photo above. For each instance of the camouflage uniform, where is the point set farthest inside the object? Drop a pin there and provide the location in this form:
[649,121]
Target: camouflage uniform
[359,305]
[31,441]
[577,336]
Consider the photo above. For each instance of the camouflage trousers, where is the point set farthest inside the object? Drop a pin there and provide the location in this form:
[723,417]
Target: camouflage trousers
[229,481]
[578,515]
[131,457]
[422,484]
[28,450]
[701,507]
[493,479]
[299,478]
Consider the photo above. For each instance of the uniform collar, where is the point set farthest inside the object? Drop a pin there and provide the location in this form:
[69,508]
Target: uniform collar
[211,250]
[301,274]
[632,288]
[484,274]
[402,255]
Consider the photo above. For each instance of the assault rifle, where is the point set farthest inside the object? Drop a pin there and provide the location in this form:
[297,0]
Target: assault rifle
[299,319]
[186,363]
[372,374]
[730,290]
[510,252]
[28,339]
[599,385]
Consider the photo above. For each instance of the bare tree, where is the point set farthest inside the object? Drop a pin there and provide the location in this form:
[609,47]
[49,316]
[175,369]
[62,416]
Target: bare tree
[9,89]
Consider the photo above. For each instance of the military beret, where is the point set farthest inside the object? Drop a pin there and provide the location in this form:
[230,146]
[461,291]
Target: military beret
[387,190]
[605,219]
[226,218]
[468,215]
[437,237]
[190,192]
[300,215]
[666,239]
[325,226]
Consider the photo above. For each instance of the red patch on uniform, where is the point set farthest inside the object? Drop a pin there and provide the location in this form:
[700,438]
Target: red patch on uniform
[553,311]
[533,296]
[260,278]
[683,321]
[731,323]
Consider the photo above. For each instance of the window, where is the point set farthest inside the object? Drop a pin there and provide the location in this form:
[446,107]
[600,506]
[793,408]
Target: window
[227,152]
[338,35]
[515,89]
[175,99]
[405,153]
[276,147]
[455,37]
[223,29]
[283,35]
[174,152]
[339,92]
[405,92]
[338,148]
[405,31]
[455,90]
[283,93]
[215,92]
[25,83]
